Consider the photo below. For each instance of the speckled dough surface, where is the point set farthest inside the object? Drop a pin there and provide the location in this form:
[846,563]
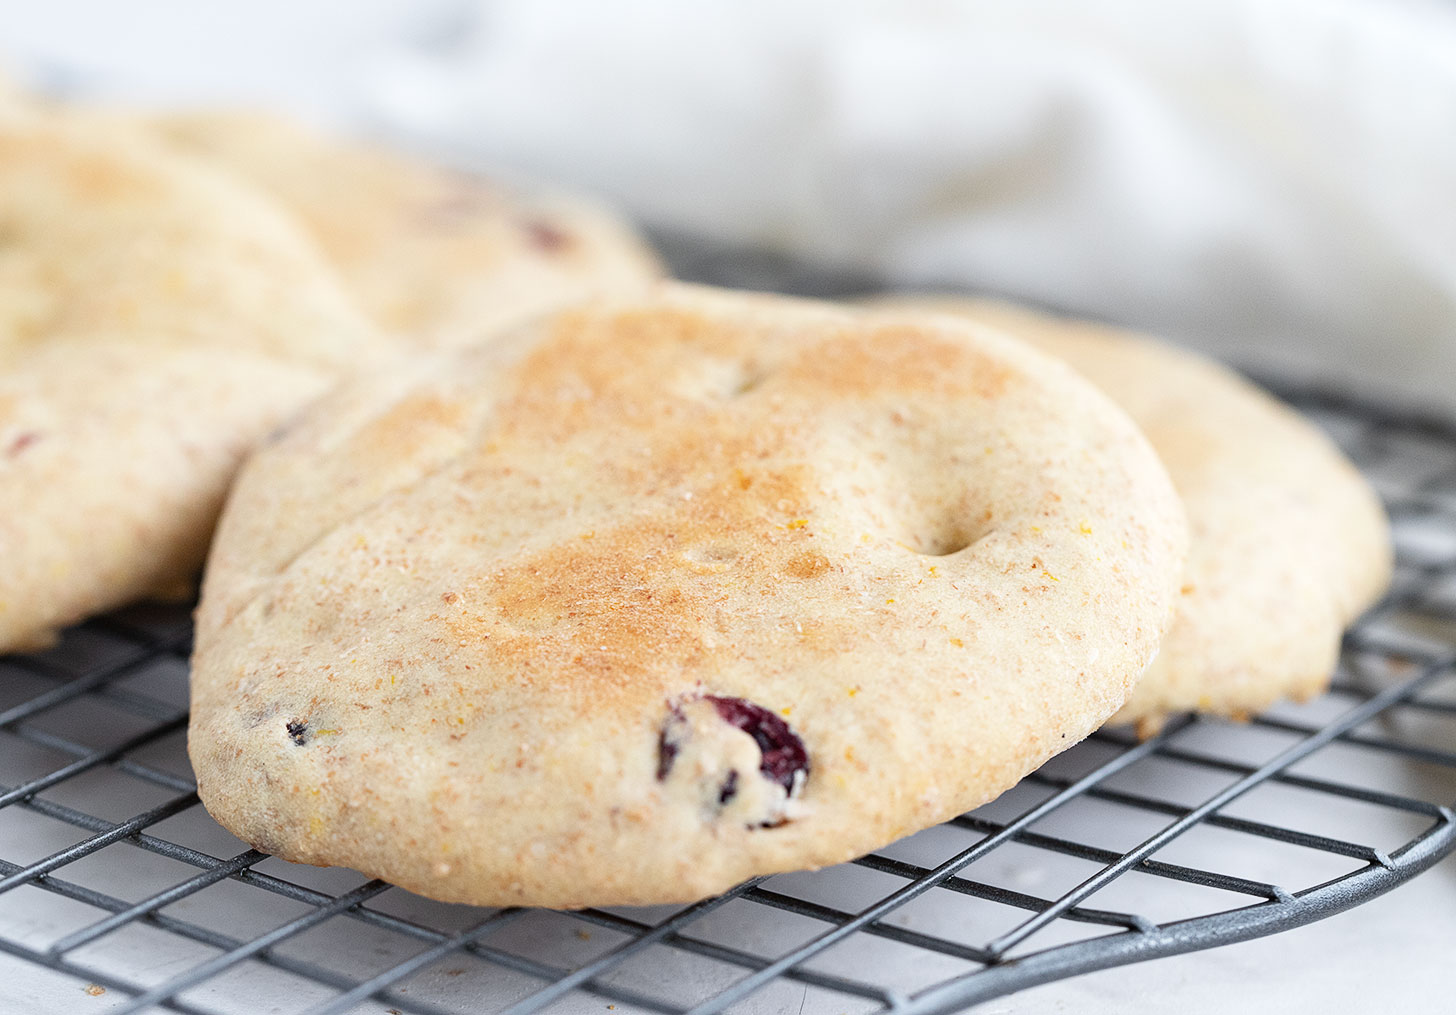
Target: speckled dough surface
[655,596]
[1288,541]
[438,258]
[155,322]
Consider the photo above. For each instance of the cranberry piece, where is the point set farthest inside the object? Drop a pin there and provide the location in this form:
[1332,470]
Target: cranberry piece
[667,744]
[545,236]
[21,442]
[729,789]
[785,760]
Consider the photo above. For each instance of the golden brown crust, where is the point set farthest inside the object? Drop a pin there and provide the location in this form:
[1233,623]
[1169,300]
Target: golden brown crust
[494,665]
[155,322]
[1289,543]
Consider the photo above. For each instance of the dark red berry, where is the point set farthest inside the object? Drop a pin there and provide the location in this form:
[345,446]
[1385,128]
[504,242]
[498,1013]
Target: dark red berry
[297,732]
[21,442]
[667,743]
[785,760]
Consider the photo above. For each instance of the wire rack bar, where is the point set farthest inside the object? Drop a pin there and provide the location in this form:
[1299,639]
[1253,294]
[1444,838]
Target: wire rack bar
[734,957]
[993,893]
[1133,857]
[916,888]
[206,970]
[1109,857]
[71,688]
[90,761]
[1294,837]
[99,841]
[620,954]
[1372,796]
[1196,934]
[1399,667]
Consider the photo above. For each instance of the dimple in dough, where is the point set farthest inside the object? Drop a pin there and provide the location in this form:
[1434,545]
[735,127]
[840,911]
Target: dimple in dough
[1288,541]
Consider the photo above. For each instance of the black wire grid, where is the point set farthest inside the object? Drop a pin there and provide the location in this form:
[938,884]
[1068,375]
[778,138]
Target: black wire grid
[113,879]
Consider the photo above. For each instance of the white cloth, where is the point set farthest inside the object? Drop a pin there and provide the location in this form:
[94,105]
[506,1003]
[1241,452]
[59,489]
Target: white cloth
[1274,180]
[1269,179]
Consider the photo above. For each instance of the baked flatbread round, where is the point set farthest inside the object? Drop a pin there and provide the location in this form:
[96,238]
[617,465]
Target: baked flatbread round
[654,596]
[156,321]
[1289,543]
[439,258]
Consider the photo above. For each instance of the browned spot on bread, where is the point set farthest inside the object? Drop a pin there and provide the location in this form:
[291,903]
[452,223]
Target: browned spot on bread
[639,597]
[411,423]
[617,606]
[901,359]
[577,375]
[613,615]
[584,352]
[807,565]
[622,604]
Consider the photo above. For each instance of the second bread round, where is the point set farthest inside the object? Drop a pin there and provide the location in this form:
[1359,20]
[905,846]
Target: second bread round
[1288,541]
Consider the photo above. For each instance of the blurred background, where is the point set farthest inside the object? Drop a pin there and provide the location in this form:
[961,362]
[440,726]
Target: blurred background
[1271,180]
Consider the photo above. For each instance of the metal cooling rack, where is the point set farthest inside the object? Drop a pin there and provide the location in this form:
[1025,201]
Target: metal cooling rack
[113,880]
